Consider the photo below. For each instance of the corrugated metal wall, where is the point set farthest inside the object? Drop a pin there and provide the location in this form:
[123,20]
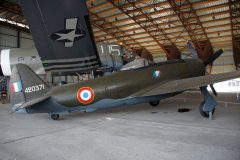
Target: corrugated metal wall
[10,38]
[26,40]
[224,63]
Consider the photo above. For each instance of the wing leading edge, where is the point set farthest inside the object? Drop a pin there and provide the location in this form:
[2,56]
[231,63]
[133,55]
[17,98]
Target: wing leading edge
[185,84]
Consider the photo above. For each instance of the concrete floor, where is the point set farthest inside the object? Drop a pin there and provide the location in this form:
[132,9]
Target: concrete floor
[127,133]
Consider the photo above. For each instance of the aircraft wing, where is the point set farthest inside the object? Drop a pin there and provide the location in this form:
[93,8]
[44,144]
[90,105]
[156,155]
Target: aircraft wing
[185,84]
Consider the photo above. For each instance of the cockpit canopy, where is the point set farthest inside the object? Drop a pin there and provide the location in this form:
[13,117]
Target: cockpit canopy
[137,63]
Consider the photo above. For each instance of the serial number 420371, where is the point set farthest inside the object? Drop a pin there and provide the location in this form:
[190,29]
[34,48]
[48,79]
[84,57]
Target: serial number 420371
[34,88]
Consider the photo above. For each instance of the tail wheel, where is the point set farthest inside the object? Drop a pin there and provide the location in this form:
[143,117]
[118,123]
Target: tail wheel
[154,103]
[203,113]
[55,116]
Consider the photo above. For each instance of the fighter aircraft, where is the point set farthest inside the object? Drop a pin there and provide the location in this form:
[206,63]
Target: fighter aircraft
[144,83]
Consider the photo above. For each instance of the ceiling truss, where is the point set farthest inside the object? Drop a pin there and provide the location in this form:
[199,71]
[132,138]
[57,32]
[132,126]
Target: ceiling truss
[149,25]
[114,31]
[161,27]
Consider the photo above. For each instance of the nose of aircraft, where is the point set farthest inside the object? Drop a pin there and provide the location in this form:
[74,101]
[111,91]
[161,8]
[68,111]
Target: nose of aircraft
[5,68]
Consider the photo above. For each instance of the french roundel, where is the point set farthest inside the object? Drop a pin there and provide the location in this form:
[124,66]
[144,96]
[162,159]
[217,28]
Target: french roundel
[85,95]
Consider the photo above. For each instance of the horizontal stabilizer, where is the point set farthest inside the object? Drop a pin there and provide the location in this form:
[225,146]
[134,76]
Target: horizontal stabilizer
[32,102]
[26,87]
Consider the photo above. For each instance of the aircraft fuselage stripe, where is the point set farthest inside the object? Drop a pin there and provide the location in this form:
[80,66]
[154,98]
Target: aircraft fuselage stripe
[69,60]
[71,65]
[74,69]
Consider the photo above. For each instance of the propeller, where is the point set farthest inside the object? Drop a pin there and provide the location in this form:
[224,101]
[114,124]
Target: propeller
[213,57]
[213,90]
[208,61]
[146,55]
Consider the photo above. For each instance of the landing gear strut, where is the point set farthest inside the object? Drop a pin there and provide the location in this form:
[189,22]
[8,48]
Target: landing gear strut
[203,113]
[55,116]
[207,107]
[154,103]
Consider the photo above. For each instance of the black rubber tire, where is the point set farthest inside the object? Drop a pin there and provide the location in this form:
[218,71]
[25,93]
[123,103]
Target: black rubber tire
[154,103]
[55,116]
[203,113]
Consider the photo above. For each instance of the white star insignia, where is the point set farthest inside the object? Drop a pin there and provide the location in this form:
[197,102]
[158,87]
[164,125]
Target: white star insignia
[69,36]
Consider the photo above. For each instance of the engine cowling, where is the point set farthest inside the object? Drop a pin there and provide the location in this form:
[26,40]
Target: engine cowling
[10,57]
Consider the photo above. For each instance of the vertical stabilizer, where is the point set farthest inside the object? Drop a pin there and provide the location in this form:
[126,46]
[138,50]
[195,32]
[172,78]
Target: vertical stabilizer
[25,86]
[62,34]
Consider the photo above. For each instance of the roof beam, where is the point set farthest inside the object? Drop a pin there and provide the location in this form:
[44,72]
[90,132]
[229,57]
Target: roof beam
[150,6]
[108,28]
[159,34]
[9,25]
[11,7]
[166,25]
[175,32]
[150,44]
[225,27]
[155,13]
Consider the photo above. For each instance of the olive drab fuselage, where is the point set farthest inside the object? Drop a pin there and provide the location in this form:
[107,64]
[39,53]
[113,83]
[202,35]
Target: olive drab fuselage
[123,84]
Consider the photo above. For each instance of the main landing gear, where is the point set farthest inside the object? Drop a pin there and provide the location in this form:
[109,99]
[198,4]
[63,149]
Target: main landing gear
[207,107]
[55,116]
[203,113]
[154,103]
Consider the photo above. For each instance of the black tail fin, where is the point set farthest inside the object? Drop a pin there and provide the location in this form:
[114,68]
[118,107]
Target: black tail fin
[25,86]
[62,34]
[213,57]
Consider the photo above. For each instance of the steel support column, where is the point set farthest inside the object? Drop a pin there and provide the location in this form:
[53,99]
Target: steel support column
[234,7]
[18,39]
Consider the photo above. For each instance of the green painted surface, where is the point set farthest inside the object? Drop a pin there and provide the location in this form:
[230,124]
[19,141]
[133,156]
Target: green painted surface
[123,84]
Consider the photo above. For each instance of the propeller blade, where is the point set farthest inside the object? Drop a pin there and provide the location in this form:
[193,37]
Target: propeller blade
[147,55]
[213,89]
[213,57]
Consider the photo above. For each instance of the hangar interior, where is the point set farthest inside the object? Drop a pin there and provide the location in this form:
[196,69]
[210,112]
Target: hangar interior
[162,28]
[159,27]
